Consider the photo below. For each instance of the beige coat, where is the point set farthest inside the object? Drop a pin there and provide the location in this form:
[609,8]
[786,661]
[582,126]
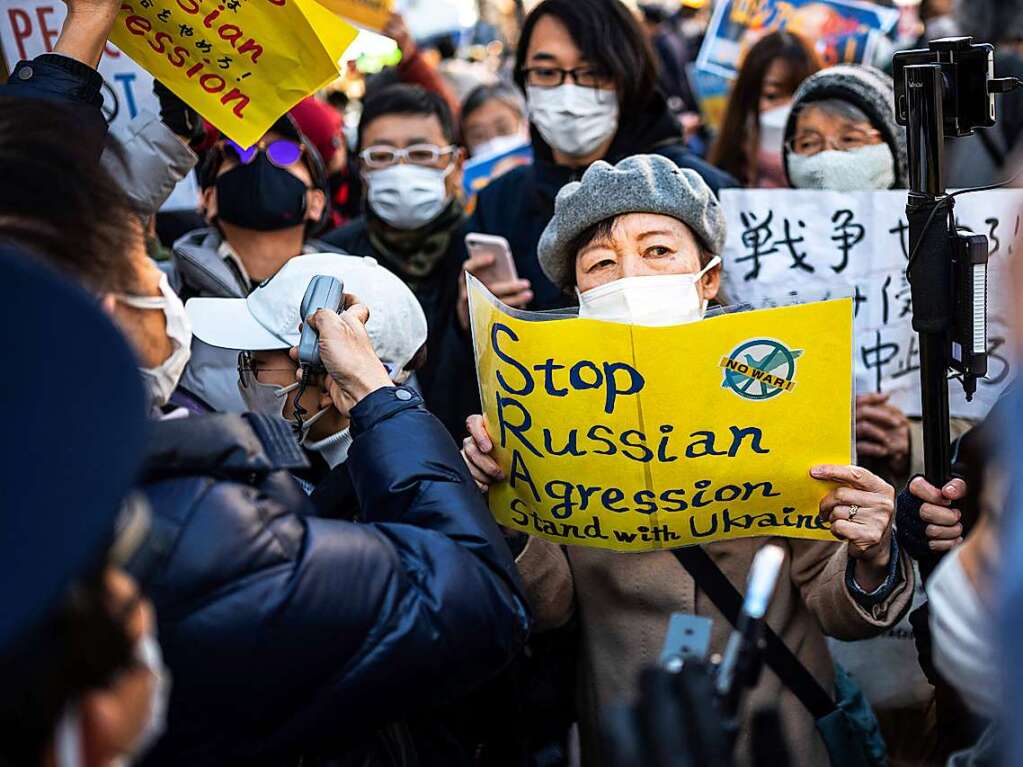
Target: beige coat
[624,603]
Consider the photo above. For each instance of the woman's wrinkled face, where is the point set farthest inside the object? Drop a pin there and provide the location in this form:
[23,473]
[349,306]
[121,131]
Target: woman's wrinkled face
[640,245]
[818,130]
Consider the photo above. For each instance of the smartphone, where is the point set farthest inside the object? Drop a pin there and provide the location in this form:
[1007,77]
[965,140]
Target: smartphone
[503,267]
[323,293]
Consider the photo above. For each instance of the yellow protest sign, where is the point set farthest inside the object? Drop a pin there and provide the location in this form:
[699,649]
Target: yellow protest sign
[635,438]
[371,14]
[240,63]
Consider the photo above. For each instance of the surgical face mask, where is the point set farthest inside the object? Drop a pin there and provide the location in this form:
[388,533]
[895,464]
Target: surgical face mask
[653,301]
[408,196]
[269,399]
[770,170]
[867,168]
[500,144]
[262,197]
[963,652]
[67,740]
[573,120]
[163,379]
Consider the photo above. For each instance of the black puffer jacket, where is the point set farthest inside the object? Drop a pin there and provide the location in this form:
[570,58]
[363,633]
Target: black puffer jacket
[288,634]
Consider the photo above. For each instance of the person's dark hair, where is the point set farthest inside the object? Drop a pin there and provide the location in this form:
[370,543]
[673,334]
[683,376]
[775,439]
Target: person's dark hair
[446,47]
[603,230]
[501,91]
[406,100]
[58,203]
[610,38]
[337,99]
[82,646]
[740,129]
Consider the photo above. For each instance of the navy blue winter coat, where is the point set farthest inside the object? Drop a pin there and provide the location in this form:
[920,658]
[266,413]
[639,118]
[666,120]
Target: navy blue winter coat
[289,634]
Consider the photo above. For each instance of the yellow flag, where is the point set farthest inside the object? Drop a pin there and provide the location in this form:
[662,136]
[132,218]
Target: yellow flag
[636,439]
[371,14]
[240,63]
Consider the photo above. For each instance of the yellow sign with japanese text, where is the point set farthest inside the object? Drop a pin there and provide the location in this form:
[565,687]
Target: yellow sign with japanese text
[371,14]
[636,438]
[240,63]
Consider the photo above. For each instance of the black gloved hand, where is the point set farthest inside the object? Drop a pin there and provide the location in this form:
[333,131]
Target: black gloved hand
[910,529]
[178,116]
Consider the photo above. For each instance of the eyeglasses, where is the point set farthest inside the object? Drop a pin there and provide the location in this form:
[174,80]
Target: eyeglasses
[281,152]
[381,156]
[248,373]
[810,144]
[552,77]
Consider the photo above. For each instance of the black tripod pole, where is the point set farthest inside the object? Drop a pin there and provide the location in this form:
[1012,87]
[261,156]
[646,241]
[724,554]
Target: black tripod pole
[930,271]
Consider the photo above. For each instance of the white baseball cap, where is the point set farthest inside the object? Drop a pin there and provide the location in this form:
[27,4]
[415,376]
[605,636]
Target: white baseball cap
[270,317]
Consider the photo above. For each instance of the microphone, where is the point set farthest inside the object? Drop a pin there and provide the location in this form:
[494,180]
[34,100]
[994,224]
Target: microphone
[740,665]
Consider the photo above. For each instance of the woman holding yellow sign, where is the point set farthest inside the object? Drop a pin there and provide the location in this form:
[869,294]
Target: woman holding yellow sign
[638,244]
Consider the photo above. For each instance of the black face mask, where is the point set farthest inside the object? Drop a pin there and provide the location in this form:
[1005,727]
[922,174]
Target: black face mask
[261,196]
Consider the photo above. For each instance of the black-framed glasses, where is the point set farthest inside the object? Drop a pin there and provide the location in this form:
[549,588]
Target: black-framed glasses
[383,156]
[552,77]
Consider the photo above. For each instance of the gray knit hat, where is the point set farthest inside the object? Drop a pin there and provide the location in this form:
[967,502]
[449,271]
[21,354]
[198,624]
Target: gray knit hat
[867,88]
[639,184]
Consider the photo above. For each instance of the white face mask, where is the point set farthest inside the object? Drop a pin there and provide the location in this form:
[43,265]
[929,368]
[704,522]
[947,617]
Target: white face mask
[653,301]
[867,168]
[269,399]
[573,120]
[963,652]
[67,740]
[408,196]
[500,144]
[163,379]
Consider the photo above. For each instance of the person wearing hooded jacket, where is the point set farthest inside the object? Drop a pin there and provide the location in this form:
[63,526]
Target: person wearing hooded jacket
[288,634]
[590,81]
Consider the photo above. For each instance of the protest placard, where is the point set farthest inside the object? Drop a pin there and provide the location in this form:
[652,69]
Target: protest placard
[635,438]
[788,246]
[240,63]
[842,31]
[29,28]
[371,14]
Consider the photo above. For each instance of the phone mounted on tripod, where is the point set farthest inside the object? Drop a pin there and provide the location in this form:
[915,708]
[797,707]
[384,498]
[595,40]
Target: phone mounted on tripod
[944,91]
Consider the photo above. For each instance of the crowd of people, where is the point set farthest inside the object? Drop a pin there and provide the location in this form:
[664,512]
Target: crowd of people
[214,556]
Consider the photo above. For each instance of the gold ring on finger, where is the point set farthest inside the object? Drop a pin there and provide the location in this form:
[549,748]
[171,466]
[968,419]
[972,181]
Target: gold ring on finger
[853,511]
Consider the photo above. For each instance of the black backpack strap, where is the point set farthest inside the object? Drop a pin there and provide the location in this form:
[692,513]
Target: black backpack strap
[779,658]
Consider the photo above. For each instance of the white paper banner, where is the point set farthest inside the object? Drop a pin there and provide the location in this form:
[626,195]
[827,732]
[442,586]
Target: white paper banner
[29,28]
[789,246]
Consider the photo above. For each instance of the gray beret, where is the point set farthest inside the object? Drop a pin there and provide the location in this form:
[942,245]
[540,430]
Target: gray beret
[639,184]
